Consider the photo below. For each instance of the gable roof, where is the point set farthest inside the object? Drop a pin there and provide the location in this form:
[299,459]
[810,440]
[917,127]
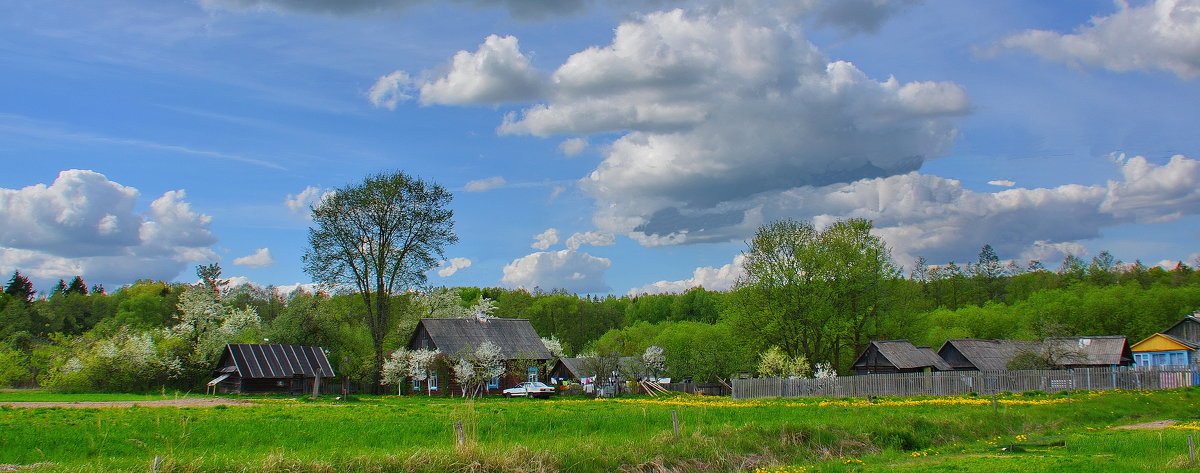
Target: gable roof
[275,361]
[1097,351]
[988,354]
[903,355]
[515,337]
[1162,342]
[1186,332]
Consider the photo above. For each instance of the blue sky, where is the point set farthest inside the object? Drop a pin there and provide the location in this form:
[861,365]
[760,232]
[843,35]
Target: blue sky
[598,146]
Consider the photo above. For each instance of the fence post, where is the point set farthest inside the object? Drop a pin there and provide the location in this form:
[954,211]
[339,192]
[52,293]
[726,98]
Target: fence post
[458,428]
[994,409]
[1191,450]
[675,422]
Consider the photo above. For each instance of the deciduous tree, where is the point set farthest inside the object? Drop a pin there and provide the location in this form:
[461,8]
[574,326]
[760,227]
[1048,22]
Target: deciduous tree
[379,237]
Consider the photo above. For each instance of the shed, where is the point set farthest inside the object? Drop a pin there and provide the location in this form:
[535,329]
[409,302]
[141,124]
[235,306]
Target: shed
[1088,352]
[245,368]
[972,354]
[457,337]
[898,356]
[577,368]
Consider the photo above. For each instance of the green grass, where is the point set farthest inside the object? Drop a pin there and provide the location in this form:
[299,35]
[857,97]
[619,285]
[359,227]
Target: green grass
[417,434]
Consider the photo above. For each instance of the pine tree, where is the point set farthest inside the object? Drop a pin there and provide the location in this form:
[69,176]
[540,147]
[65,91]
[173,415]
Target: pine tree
[77,286]
[20,288]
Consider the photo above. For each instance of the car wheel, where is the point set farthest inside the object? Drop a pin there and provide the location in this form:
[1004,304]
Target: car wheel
[507,395]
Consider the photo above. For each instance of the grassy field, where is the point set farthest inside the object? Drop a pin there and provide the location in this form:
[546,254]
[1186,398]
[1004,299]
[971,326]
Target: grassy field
[961,434]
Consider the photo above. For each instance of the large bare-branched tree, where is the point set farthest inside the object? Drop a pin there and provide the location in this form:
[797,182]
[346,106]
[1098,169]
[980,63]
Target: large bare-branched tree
[379,237]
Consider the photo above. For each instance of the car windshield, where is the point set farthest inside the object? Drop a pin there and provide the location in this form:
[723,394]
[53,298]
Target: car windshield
[536,385]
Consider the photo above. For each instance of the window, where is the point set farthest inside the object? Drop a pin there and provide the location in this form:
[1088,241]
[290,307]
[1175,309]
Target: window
[531,374]
[1177,359]
[1160,359]
[1140,359]
[433,381]
[494,383]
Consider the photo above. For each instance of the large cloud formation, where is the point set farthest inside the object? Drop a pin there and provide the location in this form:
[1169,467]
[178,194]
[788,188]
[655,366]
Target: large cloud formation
[1164,35]
[716,105]
[84,224]
[565,269]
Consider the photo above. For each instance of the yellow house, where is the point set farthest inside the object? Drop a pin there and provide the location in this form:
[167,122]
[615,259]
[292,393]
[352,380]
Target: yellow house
[1161,349]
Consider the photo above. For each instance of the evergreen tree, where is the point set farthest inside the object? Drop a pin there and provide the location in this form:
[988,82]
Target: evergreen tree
[20,288]
[60,288]
[77,286]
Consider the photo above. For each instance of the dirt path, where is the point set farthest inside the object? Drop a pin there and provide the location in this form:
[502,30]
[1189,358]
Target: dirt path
[187,402]
[1158,424]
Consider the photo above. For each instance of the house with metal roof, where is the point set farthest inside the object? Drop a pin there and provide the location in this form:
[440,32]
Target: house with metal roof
[291,369]
[459,337]
[972,354]
[898,356]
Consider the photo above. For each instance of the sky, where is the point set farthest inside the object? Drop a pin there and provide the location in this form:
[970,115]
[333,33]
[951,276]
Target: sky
[599,146]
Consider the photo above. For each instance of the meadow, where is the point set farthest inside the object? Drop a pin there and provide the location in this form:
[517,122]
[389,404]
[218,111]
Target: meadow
[1032,432]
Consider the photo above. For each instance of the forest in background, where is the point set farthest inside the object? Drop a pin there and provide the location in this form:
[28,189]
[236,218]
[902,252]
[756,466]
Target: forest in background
[152,334]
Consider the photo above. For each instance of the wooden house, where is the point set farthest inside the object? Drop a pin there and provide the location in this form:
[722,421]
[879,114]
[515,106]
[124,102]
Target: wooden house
[1186,330]
[971,354]
[577,368]
[1088,352]
[459,337]
[1175,346]
[290,369]
[898,356]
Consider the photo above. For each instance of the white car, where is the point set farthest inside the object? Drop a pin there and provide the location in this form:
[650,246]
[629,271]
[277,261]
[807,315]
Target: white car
[530,389]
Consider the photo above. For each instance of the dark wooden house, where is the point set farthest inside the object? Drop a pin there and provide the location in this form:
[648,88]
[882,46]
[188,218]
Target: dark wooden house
[898,356]
[459,337]
[290,369]
[972,354]
[1186,330]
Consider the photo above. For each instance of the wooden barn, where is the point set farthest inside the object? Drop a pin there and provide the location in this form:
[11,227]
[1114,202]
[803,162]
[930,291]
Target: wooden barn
[1088,352]
[898,356]
[290,369]
[457,337]
[972,354]
[1186,330]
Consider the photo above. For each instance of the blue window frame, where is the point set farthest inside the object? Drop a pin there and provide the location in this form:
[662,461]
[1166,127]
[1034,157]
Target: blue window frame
[494,383]
[433,381]
[531,374]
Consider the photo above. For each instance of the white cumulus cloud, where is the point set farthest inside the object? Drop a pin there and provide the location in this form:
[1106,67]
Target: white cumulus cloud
[577,240]
[572,146]
[564,269]
[84,224]
[300,202]
[495,73]
[545,240]
[1160,35]
[1002,183]
[259,259]
[451,266]
[481,185]
[707,277]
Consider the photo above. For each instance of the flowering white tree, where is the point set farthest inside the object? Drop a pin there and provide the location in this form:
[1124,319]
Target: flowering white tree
[475,370]
[554,346]
[395,368]
[654,359]
[420,363]
[824,370]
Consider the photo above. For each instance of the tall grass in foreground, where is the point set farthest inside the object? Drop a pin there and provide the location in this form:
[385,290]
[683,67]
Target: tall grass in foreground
[716,434]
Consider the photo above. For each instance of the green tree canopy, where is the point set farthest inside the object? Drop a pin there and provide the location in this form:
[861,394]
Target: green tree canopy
[379,237]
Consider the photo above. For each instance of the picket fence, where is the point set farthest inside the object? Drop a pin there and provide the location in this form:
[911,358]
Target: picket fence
[948,383]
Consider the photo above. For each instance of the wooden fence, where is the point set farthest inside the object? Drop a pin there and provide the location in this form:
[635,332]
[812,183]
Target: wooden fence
[947,383]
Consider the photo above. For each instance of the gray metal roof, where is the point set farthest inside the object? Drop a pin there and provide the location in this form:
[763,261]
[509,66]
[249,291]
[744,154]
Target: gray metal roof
[515,337]
[989,354]
[904,355]
[276,361]
[1098,351]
